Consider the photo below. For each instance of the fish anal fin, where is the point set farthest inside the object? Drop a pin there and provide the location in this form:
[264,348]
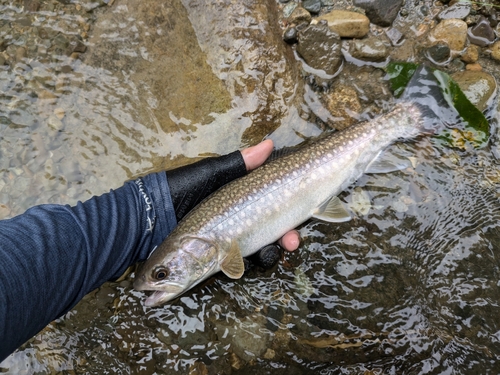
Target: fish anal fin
[332,211]
[232,265]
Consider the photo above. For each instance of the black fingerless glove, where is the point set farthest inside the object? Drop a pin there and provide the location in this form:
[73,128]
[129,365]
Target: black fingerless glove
[190,184]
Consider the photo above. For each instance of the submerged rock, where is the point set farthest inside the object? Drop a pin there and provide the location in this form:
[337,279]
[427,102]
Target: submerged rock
[194,66]
[495,51]
[347,24]
[370,49]
[482,33]
[479,87]
[320,48]
[438,53]
[344,105]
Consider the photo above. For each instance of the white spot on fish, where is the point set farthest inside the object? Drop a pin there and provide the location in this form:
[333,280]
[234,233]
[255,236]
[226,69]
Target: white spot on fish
[239,230]
[230,222]
[248,222]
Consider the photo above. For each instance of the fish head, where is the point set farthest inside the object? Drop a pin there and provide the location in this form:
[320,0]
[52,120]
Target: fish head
[176,266]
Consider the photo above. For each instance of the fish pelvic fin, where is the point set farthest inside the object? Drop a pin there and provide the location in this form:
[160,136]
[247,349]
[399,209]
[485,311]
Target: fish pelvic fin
[332,211]
[232,265]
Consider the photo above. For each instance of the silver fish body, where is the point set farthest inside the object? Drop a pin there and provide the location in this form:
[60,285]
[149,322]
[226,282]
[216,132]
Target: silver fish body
[251,212]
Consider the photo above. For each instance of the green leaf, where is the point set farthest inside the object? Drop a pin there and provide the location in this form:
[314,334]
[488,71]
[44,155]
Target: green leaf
[399,74]
[477,128]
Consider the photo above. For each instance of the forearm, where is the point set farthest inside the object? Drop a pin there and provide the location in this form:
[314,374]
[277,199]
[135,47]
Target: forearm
[51,256]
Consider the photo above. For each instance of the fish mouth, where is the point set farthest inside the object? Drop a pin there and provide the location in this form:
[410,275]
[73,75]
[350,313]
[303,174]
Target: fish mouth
[159,296]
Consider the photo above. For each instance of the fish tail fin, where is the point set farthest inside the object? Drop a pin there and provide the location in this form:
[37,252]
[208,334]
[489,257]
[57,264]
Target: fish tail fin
[426,92]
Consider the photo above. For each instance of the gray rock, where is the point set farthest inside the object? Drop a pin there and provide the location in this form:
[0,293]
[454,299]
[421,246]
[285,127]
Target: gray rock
[289,8]
[395,36]
[438,53]
[380,12]
[482,33]
[313,6]
[457,10]
[290,35]
[320,48]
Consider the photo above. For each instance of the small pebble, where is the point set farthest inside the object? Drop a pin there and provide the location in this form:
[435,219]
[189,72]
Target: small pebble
[290,35]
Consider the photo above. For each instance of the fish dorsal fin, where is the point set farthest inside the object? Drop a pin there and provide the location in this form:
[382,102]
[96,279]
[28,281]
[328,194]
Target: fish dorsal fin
[232,265]
[387,162]
[332,211]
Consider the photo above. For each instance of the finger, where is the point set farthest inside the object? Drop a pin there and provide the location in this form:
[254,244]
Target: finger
[256,155]
[290,241]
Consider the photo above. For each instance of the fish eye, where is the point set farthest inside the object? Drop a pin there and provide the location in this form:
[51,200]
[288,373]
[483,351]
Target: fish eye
[160,273]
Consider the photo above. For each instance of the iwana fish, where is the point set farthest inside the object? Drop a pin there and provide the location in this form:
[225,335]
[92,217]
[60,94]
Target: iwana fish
[256,210]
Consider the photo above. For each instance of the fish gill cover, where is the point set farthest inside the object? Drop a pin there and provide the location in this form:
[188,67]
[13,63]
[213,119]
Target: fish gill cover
[476,129]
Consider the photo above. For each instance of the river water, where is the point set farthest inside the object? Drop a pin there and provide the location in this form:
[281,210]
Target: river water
[409,286]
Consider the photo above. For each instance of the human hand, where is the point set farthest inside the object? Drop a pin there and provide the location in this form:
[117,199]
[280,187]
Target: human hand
[190,184]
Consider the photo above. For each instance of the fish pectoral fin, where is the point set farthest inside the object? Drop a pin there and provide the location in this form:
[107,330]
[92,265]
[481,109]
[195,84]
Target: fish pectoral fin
[232,265]
[387,162]
[332,211]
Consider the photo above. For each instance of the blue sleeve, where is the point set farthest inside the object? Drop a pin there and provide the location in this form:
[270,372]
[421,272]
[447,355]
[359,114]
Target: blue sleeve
[52,255]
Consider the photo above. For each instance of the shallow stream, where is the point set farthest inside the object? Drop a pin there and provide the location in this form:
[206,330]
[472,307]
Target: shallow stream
[409,286]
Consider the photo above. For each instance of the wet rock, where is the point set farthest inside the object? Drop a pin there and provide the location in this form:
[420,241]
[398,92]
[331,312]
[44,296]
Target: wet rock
[344,105]
[320,48]
[290,35]
[347,24]
[211,66]
[395,36]
[478,86]
[31,5]
[371,49]
[438,53]
[471,54]
[495,51]
[76,45]
[457,10]
[20,54]
[289,8]
[481,34]
[453,32]
[313,6]
[247,338]
[55,123]
[474,67]
[198,368]
[299,15]
[380,12]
